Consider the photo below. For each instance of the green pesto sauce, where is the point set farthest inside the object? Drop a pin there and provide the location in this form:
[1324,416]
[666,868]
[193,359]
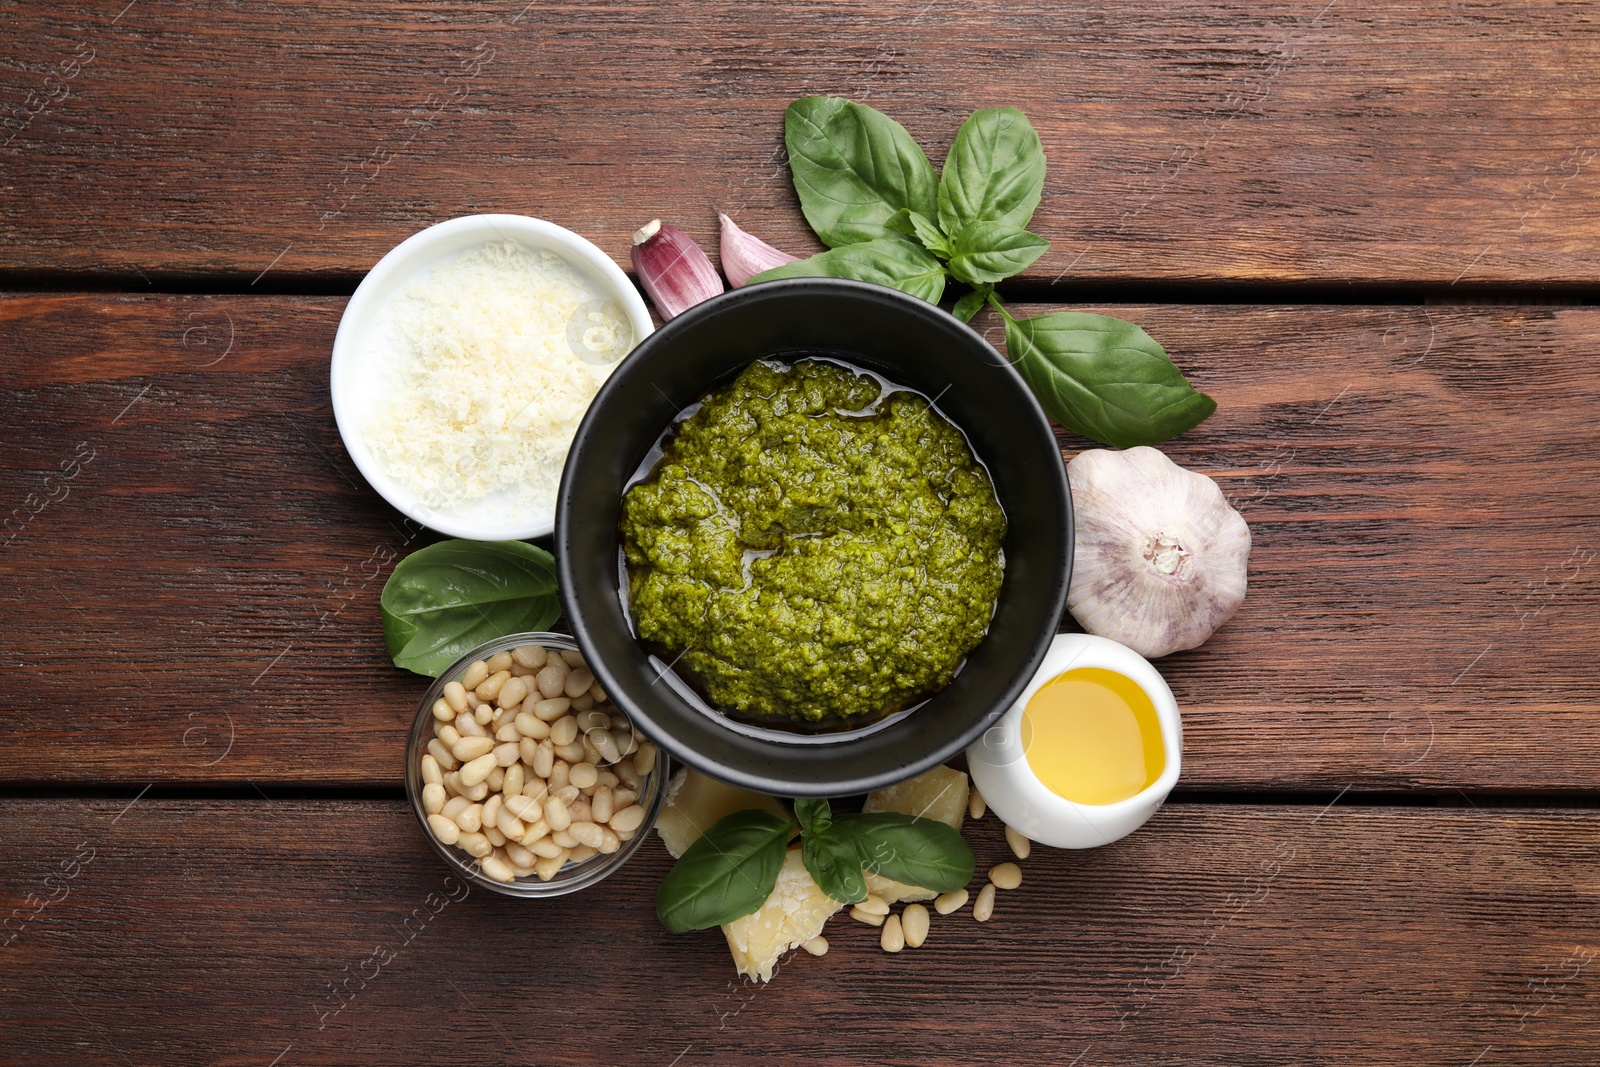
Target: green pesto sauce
[808,561]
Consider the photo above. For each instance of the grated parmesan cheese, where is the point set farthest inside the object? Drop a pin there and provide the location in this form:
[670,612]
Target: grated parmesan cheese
[499,352]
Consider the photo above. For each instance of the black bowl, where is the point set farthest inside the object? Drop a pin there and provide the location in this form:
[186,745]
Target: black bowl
[908,341]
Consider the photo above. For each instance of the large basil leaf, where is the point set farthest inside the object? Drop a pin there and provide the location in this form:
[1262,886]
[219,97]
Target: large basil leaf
[1104,378]
[853,168]
[892,261]
[835,864]
[923,852]
[988,252]
[443,601]
[994,172]
[725,875]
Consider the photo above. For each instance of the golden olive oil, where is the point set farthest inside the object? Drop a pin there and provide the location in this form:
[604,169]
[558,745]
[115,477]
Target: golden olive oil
[1092,736]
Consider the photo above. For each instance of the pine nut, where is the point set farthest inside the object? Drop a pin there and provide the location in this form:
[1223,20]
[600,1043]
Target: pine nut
[433,798]
[983,910]
[626,740]
[500,661]
[583,852]
[519,671]
[449,735]
[467,726]
[446,831]
[491,809]
[568,793]
[609,841]
[518,855]
[817,946]
[530,655]
[477,770]
[549,866]
[484,715]
[494,836]
[455,694]
[601,804]
[558,774]
[866,917]
[628,819]
[470,818]
[475,845]
[431,772]
[497,778]
[507,732]
[536,830]
[644,761]
[514,780]
[453,786]
[530,725]
[583,775]
[579,810]
[593,720]
[474,675]
[605,746]
[545,848]
[509,825]
[442,710]
[975,805]
[525,808]
[512,693]
[914,921]
[551,710]
[555,813]
[563,838]
[505,755]
[564,730]
[586,833]
[455,806]
[598,693]
[497,868]
[629,776]
[578,682]
[544,759]
[621,798]
[946,903]
[583,701]
[553,680]
[1020,846]
[874,905]
[572,753]
[473,793]
[490,687]
[573,658]
[470,748]
[893,938]
[1005,875]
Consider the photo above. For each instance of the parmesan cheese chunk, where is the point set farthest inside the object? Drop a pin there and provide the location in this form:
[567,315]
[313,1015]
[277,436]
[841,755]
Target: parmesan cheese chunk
[940,793]
[696,802]
[795,913]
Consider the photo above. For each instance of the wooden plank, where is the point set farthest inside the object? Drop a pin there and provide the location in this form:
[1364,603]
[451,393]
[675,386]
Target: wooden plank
[200,601]
[1239,935]
[1195,141]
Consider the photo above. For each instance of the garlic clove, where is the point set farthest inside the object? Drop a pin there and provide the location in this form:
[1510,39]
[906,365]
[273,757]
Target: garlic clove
[672,268]
[1160,559]
[744,256]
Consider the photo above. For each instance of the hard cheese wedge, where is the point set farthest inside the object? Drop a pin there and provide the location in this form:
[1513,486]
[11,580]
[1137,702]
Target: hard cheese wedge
[937,794]
[794,914]
[696,802]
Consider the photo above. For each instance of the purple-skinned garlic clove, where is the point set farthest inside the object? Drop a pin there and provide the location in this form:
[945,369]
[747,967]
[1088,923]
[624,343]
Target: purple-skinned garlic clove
[744,256]
[672,268]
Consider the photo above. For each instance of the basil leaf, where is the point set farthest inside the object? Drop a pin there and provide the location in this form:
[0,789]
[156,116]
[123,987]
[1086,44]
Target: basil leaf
[923,852]
[853,167]
[992,251]
[814,815]
[725,875]
[994,172]
[891,261]
[835,864]
[1104,378]
[969,305]
[443,601]
[915,224]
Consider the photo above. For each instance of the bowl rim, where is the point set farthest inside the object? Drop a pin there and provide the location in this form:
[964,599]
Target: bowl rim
[582,621]
[584,874]
[403,259]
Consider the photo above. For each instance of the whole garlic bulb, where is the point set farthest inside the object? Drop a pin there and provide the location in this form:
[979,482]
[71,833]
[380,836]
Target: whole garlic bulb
[1159,556]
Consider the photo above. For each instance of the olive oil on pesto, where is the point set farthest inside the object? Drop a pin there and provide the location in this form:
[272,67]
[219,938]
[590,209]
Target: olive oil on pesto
[812,549]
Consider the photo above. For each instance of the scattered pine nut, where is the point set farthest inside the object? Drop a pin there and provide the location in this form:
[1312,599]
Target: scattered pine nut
[866,917]
[817,946]
[893,938]
[874,905]
[1005,875]
[946,903]
[984,908]
[914,923]
[975,804]
[1020,845]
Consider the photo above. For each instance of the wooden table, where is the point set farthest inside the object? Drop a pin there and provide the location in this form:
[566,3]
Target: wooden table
[1372,232]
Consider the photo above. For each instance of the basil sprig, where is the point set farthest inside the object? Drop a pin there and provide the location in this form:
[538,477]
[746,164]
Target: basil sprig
[443,601]
[731,870]
[869,192]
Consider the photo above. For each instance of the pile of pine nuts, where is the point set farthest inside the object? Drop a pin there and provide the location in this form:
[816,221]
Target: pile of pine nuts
[530,768]
[909,929]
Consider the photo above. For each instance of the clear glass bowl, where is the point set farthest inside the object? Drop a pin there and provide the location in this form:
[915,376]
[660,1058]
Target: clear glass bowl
[572,877]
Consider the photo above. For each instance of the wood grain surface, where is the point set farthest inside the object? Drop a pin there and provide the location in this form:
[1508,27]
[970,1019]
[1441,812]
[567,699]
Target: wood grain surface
[191,565]
[1292,140]
[181,932]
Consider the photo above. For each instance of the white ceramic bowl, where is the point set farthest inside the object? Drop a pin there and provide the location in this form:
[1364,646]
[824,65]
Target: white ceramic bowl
[1000,770]
[364,344]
